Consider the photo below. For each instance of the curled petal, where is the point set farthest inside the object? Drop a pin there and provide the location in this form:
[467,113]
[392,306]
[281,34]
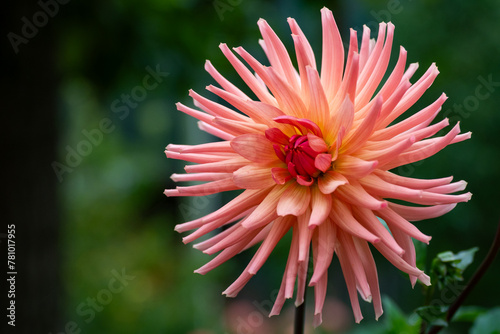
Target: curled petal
[294,200]
[330,181]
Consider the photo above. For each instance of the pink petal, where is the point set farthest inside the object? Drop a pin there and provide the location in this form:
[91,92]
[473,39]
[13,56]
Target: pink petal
[226,84]
[288,99]
[323,162]
[394,220]
[215,131]
[247,76]
[350,280]
[370,268]
[305,235]
[277,54]
[413,94]
[294,201]
[329,181]
[376,67]
[357,138]
[317,143]
[235,288]
[424,149]
[254,147]
[397,260]
[332,56]
[199,177]
[294,27]
[349,251]
[355,194]
[386,156]
[225,255]
[413,213]
[342,217]
[410,182]
[240,203]
[289,276]
[198,157]
[216,109]
[321,205]
[324,249]
[396,76]
[204,189]
[384,189]
[253,177]
[277,136]
[372,224]
[204,117]
[224,166]
[317,107]
[278,230]
[221,146]
[354,167]
[340,119]
[238,128]
[266,211]
[280,175]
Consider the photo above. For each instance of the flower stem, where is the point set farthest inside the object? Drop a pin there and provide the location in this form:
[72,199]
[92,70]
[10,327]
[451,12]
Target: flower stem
[495,247]
[300,315]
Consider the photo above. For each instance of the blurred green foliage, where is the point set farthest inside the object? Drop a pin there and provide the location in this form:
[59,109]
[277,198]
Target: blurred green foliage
[116,217]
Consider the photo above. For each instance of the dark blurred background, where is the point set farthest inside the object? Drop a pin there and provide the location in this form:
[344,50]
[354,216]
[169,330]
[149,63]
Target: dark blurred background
[89,91]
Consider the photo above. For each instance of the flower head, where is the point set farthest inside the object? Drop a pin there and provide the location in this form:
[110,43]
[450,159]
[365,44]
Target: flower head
[313,154]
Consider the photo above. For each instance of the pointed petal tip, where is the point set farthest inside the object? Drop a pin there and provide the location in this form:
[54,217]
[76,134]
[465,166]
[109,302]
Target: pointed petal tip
[171,192]
[199,271]
[425,279]
[299,302]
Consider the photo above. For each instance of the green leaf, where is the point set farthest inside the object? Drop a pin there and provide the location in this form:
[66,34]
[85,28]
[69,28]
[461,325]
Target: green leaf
[396,321]
[487,323]
[449,267]
[465,258]
[468,313]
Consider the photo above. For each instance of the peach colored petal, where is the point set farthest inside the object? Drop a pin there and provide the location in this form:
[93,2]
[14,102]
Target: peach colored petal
[294,200]
[254,147]
[356,195]
[414,213]
[321,206]
[370,269]
[226,84]
[341,215]
[330,181]
[332,60]
[368,219]
[253,177]
[352,166]
[324,247]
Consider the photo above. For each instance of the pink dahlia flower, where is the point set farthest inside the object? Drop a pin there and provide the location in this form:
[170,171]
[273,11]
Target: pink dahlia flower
[313,153]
